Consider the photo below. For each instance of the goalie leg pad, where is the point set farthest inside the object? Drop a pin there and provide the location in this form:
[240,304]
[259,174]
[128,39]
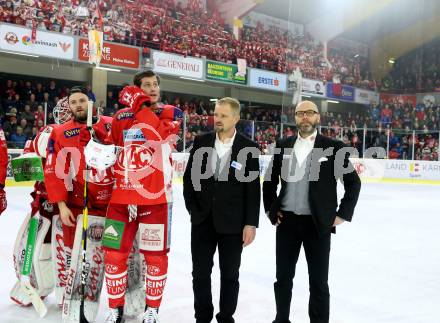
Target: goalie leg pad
[18,296]
[20,246]
[41,276]
[43,269]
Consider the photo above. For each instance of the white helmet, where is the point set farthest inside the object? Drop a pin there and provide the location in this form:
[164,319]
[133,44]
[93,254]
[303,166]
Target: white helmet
[99,156]
[41,140]
[62,112]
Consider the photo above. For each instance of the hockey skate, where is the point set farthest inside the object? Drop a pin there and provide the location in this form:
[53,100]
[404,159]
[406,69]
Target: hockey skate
[116,315]
[151,315]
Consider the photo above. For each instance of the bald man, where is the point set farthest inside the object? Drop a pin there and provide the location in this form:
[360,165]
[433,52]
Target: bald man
[306,210]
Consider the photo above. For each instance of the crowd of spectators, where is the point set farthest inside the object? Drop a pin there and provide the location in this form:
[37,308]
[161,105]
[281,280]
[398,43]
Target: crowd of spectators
[188,30]
[402,123]
[22,105]
[417,71]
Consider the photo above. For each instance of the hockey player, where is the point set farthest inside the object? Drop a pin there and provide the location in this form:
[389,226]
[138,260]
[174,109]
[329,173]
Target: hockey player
[3,170]
[42,275]
[142,198]
[65,175]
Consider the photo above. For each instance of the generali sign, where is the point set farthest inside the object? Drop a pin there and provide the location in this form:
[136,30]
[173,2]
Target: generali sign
[112,54]
[178,65]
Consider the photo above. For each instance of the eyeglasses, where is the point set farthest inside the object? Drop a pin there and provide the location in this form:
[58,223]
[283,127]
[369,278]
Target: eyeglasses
[308,113]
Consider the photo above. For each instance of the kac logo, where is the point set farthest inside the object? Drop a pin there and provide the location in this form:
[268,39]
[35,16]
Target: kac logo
[11,38]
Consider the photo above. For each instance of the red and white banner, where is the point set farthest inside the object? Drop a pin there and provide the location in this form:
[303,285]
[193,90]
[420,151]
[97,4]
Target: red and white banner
[112,54]
[96,39]
[366,97]
[398,98]
[41,43]
[178,65]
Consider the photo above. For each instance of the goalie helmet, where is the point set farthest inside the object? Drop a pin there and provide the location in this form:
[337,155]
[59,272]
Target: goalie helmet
[41,140]
[62,112]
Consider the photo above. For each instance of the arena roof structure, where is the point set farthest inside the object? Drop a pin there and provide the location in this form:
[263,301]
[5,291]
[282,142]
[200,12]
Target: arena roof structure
[390,28]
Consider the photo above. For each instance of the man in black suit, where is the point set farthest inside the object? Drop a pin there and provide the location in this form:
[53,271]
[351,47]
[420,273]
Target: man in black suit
[221,187]
[305,211]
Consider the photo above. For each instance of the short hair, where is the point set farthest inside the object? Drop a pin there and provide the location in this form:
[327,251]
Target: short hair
[233,103]
[137,79]
[78,89]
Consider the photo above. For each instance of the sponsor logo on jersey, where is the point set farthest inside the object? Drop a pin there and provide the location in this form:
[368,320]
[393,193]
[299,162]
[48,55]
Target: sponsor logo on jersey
[152,237]
[133,135]
[111,269]
[125,115]
[153,270]
[101,177]
[72,132]
[135,158]
[117,286]
[95,232]
[103,195]
[113,233]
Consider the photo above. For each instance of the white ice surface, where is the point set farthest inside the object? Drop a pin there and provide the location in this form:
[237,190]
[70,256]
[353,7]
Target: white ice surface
[385,265]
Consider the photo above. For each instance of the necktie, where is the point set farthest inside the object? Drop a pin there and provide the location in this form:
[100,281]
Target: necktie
[217,167]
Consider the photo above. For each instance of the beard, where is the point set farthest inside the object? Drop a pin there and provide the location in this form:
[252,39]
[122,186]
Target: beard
[307,127]
[80,116]
[219,128]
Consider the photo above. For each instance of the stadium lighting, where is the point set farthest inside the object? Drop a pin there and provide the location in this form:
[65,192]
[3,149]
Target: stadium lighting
[391,61]
[191,79]
[331,101]
[20,54]
[356,56]
[107,69]
[213,100]
[306,96]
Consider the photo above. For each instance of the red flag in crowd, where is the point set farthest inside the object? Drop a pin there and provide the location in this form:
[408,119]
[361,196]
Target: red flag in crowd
[97,15]
[34,31]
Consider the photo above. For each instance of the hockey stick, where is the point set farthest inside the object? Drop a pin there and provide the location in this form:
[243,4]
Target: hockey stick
[84,272]
[25,282]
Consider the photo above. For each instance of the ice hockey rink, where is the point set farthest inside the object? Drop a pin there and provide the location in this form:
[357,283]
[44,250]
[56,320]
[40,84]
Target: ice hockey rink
[384,266]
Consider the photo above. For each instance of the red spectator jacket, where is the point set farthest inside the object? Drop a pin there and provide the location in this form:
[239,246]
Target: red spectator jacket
[64,172]
[3,157]
[143,170]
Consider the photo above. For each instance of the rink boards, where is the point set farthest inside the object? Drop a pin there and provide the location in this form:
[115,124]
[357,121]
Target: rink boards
[370,170]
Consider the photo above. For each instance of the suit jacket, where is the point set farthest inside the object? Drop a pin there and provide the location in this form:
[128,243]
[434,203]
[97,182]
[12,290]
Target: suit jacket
[322,193]
[232,203]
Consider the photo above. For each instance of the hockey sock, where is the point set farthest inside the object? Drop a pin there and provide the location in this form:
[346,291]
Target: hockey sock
[116,277]
[157,267]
